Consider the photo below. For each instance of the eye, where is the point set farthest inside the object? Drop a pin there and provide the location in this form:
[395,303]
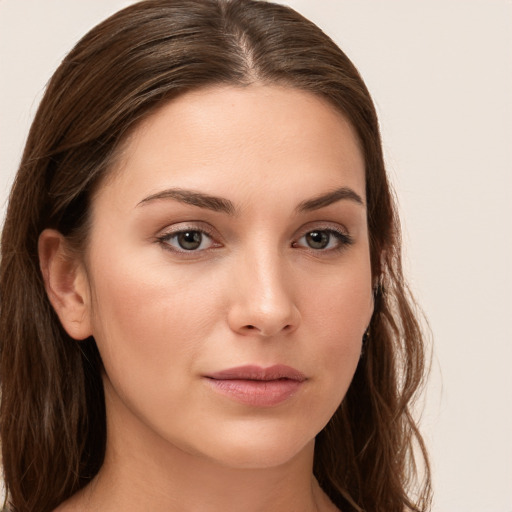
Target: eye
[187,240]
[323,240]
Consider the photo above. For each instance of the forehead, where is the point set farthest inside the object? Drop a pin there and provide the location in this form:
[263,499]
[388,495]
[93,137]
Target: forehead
[231,139]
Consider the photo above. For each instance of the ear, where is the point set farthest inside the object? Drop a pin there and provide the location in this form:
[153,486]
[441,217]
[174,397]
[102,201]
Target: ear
[66,284]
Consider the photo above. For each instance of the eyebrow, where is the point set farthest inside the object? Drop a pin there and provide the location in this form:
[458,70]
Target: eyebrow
[216,204]
[323,200]
[219,204]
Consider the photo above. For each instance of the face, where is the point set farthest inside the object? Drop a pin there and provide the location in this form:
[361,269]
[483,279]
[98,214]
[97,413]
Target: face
[229,274]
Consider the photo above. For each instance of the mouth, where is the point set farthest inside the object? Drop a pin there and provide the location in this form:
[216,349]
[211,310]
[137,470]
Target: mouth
[256,386]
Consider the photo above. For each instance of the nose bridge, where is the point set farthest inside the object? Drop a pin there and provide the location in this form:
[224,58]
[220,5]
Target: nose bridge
[268,274]
[264,302]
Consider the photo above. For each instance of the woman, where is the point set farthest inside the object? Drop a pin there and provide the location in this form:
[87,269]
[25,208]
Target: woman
[202,303]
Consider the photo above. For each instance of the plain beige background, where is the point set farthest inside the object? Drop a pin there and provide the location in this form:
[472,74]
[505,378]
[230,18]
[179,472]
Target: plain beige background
[440,72]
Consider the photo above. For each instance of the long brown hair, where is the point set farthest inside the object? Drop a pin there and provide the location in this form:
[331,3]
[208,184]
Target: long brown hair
[52,412]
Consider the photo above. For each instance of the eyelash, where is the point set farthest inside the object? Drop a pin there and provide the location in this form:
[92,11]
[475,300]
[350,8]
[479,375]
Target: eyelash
[343,240]
[165,239]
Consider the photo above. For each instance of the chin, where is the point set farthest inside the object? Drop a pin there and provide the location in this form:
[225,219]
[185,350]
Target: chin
[262,455]
[256,446]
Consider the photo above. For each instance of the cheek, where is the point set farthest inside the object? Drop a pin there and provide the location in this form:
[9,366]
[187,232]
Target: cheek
[336,318]
[148,321]
[342,302]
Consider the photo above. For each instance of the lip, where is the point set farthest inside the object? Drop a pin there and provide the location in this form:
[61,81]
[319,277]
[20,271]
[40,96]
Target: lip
[256,386]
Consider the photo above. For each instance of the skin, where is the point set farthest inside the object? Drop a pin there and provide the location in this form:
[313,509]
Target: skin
[253,292]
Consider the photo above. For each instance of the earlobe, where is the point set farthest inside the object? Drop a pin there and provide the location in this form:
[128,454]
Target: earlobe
[66,284]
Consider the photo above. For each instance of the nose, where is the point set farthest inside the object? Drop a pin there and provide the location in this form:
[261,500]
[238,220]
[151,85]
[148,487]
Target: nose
[262,298]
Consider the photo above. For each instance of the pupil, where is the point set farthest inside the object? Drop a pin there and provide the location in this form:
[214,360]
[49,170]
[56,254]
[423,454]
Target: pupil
[317,239]
[189,240]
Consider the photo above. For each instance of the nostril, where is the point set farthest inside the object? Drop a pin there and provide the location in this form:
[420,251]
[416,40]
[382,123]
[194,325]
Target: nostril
[250,327]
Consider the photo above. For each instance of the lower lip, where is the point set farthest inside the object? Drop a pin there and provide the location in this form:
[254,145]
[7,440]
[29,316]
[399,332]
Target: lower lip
[257,393]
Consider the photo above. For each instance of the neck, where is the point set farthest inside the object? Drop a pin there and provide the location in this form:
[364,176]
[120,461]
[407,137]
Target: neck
[144,471]
[185,483]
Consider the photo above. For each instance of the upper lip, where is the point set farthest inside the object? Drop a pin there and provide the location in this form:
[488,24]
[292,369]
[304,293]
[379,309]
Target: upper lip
[253,372]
